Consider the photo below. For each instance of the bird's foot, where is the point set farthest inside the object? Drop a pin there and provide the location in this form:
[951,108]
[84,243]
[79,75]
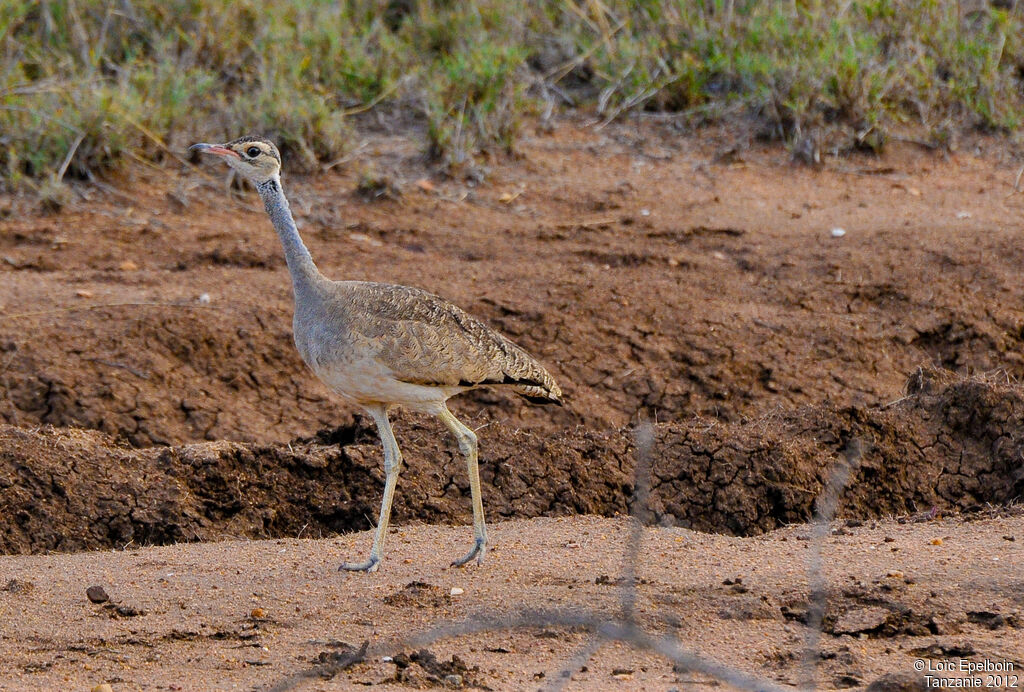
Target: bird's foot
[371,565]
[478,551]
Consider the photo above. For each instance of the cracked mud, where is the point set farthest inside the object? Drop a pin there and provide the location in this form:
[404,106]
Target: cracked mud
[151,401]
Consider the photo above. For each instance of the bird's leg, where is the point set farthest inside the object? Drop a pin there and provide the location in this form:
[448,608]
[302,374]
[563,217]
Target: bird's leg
[392,465]
[467,444]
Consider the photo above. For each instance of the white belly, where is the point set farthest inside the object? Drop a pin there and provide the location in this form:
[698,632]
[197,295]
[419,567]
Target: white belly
[368,382]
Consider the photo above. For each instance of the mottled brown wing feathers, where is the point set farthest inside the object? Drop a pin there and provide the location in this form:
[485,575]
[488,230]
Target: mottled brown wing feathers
[426,340]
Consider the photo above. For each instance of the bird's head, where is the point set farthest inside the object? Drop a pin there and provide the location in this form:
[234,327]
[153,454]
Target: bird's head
[254,157]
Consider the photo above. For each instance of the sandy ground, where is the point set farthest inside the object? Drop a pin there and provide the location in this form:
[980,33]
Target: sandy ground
[772,319]
[254,614]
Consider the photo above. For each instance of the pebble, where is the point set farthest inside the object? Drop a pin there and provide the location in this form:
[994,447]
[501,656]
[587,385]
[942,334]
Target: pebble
[103,688]
[97,594]
[126,611]
[453,680]
[19,586]
[363,238]
[258,613]
[936,541]
[204,299]
[860,620]
[456,591]
[127,266]
[838,232]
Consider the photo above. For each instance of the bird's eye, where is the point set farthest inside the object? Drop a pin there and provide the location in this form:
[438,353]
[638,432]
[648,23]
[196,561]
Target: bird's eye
[252,152]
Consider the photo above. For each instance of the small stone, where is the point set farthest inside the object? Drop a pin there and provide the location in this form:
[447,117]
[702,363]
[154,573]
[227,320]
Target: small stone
[128,266]
[645,212]
[936,541]
[19,586]
[363,238]
[860,620]
[838,232]
[104,687]
[963,215]
[127,611]
[453,681]
[456,591]
[258,614]
[992,621]
[83,293]
[204,299]
[944,623]
[97,594]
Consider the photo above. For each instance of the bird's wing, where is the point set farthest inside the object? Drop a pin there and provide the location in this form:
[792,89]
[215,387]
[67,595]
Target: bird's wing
[424,339]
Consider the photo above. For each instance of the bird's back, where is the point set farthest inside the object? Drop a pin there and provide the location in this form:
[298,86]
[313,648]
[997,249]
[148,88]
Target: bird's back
[422,339]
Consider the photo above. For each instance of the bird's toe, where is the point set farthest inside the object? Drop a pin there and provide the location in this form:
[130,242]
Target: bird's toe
[478,551]
[371,565]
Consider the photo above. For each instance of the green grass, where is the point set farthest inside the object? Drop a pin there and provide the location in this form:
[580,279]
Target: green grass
[86,83]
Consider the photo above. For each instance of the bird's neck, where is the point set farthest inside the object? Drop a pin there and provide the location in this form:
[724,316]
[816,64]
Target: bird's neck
[300,263]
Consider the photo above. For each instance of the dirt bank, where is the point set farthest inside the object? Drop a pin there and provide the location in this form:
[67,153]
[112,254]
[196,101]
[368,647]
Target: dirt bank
[950,444]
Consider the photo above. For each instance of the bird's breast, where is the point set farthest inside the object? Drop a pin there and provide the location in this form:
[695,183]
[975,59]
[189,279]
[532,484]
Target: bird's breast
[320,339]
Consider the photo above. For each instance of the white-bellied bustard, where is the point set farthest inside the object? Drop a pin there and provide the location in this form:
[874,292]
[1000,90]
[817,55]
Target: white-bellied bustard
[380,345]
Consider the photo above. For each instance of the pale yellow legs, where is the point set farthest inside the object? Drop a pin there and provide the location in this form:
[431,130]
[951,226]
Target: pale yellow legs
[467,444]
[393,464]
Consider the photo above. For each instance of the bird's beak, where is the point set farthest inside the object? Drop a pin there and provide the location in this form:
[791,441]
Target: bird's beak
[217,149]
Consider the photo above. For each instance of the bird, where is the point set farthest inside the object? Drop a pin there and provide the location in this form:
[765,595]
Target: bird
[378,345]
